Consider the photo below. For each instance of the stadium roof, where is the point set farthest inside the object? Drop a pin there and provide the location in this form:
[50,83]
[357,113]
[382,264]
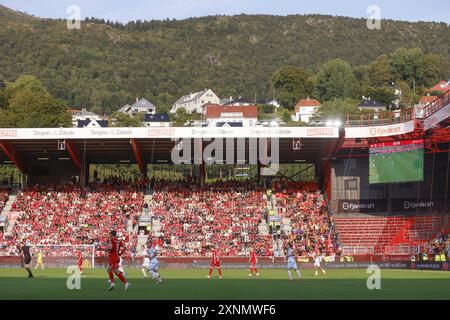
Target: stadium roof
[155,144]
[152,150]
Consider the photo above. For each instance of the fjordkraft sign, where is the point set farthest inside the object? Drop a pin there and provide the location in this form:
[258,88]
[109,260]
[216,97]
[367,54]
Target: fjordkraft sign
[417,205]
[379,131]
[362,206]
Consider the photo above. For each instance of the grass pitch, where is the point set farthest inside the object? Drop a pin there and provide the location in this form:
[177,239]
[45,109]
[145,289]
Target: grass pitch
[236,284]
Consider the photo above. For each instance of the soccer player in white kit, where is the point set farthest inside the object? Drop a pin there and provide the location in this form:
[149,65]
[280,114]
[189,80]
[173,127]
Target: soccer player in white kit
[153,268]
[145,265]
[291,263]
[317,264]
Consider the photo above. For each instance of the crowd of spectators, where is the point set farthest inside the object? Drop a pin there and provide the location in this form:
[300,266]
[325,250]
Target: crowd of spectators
[224,215]
[194,219]
[436,250]
[4,194]
[312,228]
[64,216]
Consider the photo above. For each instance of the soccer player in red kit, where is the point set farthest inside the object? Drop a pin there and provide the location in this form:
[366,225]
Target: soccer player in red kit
[115,250]
[253,261]
[80,261]
[215,263]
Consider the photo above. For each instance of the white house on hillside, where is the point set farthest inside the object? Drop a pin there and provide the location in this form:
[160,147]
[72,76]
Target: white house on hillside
[141,106]
[305,108]
[194,102]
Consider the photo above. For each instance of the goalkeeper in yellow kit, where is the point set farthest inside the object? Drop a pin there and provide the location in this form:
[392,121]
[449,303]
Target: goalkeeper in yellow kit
[39,261]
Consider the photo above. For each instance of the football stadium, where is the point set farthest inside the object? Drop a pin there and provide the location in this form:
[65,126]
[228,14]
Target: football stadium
[337,199]
[335,186]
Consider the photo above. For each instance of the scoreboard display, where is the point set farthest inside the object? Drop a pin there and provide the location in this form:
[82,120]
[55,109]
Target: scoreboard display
[397,161]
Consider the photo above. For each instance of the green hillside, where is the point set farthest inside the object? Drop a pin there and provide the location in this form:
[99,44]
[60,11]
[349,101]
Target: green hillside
[106,65]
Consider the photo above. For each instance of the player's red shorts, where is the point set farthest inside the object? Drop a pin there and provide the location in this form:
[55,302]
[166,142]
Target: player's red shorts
[113,261]
[216,264]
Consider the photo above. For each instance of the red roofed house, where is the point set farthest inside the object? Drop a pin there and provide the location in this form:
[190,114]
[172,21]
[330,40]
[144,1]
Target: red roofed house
[231,116]
[442,86]
[424,100]
[305,108]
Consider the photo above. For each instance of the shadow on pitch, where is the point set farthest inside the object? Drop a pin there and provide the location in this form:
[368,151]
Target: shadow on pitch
[43,287]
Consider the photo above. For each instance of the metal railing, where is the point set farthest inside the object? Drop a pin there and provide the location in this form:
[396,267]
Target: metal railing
[434,106]
[358,250]
[378,119]
[400,249]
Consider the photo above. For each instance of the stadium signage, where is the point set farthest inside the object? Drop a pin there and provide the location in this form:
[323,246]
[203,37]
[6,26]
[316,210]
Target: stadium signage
[430,266]
[437,117]
[172,132]
[379,131]
[8,133]
[364,265]
[413,205]
[154,132]
[362,206]
[314,132]
[397,143]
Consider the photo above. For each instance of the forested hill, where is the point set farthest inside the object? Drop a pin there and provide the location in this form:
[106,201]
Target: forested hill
[105,65]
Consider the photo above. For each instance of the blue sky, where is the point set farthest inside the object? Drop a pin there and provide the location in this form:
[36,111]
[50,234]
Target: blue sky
[126,10]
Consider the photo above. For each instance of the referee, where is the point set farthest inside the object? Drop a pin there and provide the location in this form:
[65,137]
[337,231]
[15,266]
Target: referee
[25,250]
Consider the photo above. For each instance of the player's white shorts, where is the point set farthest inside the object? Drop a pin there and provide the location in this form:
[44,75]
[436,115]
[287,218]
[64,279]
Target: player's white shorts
[292,264]
[317,264]
[153,264]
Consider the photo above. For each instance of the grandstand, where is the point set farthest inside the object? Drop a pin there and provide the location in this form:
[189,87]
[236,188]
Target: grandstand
[61,200]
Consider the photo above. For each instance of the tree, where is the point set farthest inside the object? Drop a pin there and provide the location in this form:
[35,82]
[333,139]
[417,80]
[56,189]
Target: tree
[120,119]
[266,108]
[3,97]
[336,80]
[29,105]
[292,123]
[266,111]
[380,71]
[437,68]
[292,84]
[181,117]
[363,76]
[284,114]
[407,98]
[408,65]
[384,95]
[26,82]
[336,109]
